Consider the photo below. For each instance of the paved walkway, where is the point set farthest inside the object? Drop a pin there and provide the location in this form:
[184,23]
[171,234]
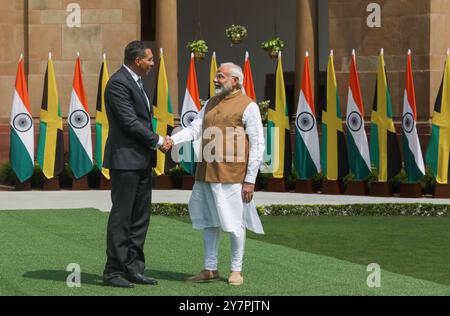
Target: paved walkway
[10,200]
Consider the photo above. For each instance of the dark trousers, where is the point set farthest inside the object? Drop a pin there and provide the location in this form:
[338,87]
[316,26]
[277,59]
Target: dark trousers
[128,222]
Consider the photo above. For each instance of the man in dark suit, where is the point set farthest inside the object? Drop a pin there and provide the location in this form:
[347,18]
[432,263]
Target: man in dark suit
[130,155]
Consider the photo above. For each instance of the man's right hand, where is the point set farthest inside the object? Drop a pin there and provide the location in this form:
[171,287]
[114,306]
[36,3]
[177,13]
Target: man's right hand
[167,145]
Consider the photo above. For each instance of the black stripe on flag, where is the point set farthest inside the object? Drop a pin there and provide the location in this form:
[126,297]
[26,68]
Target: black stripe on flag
[59,155]
[438,104]
[287,154]
[342,156]
[99,91]
[394,162]
[375,98]
[44,104]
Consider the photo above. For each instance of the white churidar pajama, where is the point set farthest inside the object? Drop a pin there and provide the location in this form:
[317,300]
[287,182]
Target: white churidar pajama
[215,206]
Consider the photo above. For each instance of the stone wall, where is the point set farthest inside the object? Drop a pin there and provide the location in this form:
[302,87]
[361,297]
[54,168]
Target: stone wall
[106,27]
[405,24]
[12,45]
[439,43]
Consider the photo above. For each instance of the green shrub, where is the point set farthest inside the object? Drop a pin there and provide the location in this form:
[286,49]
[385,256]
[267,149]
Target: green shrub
[262,179]
[37,180]
[198,46]
[291,181]
[94,177]
[422,210]
[275,45]
[318,181]
[177,173]
[395,182]
[7,175]
[428,182]
[373,176]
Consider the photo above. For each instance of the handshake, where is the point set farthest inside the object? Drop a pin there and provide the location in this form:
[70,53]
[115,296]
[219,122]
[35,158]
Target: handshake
[167,145]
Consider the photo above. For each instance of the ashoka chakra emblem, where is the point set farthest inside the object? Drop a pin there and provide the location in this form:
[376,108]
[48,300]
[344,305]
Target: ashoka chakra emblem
[79,119]
[354,121]
[23,122]
[408,123]
[188,117]
[305,122]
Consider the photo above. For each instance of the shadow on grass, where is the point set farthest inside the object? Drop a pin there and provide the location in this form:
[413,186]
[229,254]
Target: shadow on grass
[61,276]
[97,280]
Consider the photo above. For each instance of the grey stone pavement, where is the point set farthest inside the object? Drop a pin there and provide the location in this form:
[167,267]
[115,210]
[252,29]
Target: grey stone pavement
[10,200]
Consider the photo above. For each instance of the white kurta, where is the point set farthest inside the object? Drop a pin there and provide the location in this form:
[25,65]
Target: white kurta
[218,204]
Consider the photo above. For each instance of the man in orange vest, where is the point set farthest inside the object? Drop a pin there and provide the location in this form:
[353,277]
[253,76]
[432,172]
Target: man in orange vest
[232,135]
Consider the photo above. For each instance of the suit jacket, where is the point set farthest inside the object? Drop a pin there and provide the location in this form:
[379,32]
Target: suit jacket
[131,140]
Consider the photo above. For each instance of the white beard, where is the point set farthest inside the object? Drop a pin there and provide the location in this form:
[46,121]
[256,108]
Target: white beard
[223,90]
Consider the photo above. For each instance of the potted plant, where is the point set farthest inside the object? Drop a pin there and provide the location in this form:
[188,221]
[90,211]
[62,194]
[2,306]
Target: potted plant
[177,176]
[264,110]
[354,186]
[236,33]
[199,48]
[377,188]
[273,46]
[162,182]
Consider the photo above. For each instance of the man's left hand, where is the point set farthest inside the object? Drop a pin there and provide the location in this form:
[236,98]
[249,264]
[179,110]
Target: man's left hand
[247,192]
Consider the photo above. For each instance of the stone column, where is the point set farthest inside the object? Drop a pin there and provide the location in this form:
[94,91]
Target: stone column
[306,40]
[167,38]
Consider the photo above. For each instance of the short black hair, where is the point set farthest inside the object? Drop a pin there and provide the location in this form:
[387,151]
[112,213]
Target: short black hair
[134,50]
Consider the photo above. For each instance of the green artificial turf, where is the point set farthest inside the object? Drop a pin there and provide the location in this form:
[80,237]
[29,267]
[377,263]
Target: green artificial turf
[297,256]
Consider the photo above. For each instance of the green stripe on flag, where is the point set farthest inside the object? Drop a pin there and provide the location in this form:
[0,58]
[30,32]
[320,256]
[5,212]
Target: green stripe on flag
[323,149]
[79,160]
[413,171]
[433,150]
[21,162]
[41,145]
[304,165]
[98,146]
[357,163]
[374,146]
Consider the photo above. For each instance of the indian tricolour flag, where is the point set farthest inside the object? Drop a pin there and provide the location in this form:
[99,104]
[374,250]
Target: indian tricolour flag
[307,150]
[248,88]
[189,112]
[80,142]
[414,165]
[22,129]
[357,144]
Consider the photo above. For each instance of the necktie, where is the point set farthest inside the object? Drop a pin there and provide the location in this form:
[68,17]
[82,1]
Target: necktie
[141,85]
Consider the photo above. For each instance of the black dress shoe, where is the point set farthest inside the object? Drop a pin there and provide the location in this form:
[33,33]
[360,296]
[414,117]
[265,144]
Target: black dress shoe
[141,279]
[118,281]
